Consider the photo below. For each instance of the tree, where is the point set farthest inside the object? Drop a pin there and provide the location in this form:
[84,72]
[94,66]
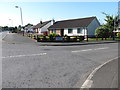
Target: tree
[28,25]
[5,28]
[111,23]
[0,28]
[19,27]
[102,32]
[116,21]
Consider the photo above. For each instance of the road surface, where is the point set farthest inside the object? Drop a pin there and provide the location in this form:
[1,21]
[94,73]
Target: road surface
[25,64]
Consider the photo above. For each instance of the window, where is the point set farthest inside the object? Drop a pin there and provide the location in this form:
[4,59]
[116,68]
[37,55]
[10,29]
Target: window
[70,30]
[54,31]
[79,30]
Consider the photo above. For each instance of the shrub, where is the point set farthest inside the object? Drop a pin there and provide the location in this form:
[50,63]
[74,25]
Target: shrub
[118,34]
[53,35]
[81,38]
[102,31]
[65,35]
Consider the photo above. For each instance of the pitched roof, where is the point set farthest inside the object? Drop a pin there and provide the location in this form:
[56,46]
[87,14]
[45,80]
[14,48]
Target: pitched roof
[39,25]
[27,27]
[81,22]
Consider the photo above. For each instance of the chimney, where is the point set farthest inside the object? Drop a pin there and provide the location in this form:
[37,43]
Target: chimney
[40,22]
[52,21]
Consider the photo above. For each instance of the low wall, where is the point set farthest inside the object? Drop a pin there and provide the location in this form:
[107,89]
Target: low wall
[105,76]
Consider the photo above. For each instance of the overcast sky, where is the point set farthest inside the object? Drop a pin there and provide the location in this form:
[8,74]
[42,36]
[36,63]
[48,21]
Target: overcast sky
[34,11]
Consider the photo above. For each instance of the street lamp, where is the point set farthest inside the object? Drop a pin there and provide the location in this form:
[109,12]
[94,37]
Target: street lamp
[21,17]
[11,25]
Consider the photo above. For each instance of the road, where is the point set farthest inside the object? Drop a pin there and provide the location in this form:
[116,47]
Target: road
[25,64]
[3,34]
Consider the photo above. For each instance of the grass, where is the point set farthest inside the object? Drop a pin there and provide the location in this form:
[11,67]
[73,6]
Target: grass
[117,39]
[94,39]
[100,39]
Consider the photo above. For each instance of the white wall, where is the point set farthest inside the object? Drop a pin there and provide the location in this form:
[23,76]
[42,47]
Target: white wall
[45,28]
[74,32]
[92,27]
[39,30]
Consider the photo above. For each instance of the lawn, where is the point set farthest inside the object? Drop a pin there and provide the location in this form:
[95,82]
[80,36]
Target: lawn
[100,39]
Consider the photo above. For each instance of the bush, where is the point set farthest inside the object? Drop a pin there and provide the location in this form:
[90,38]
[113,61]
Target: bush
[81,38]
[65,35]
[52,36]
[102,31]
[41,37]
[118,34]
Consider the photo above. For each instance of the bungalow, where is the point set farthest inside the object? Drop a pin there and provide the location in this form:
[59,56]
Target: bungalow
[42,27]
[75,27]
[31,29]
[27,28]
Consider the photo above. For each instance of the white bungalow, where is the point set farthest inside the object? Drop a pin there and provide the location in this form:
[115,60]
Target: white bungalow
[75,27]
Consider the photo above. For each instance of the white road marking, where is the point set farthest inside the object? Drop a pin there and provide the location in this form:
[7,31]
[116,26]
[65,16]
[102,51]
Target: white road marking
[40,54]
[3,34]
[82,50]
[89,49]
[101,48]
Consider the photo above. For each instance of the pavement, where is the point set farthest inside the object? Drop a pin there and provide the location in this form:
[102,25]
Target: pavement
[3,34]
[27,64]
[17,38]
[104,76]
[75,43]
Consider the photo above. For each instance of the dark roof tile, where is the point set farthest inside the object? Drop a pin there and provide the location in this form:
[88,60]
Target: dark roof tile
[82,22]
[39,25]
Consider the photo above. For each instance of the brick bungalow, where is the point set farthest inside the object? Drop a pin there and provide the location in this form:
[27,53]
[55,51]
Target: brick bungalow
[42,27]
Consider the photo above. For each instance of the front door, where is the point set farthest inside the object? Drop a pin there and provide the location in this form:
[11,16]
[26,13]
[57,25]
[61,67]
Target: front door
[62,32]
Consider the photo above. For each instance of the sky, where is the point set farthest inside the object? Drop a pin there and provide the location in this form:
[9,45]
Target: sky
[33,11]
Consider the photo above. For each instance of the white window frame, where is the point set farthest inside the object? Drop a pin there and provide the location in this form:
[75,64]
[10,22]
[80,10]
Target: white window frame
[71,31]
[81,29]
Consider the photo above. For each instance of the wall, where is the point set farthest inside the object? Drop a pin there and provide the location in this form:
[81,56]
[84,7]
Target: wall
[58,32]
[92,27]
[50,31]
[75,32]
[45,28]
[36,30]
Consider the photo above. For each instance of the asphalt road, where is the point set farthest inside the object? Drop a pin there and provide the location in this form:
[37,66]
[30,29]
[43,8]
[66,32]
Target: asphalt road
[25,64]
[3,34]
